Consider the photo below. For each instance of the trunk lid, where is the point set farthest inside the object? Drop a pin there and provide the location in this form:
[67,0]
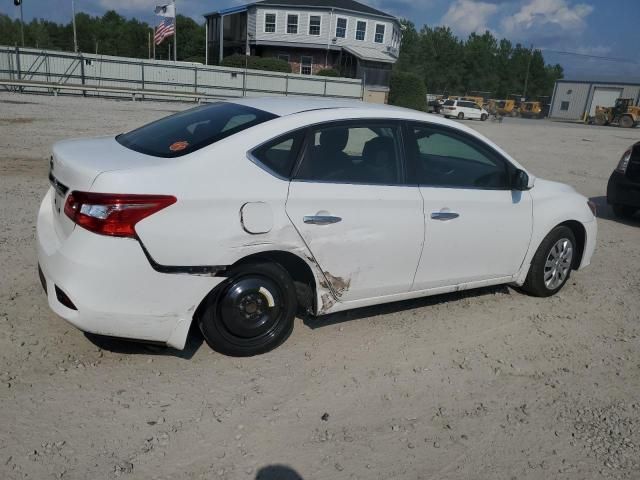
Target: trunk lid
[75,164]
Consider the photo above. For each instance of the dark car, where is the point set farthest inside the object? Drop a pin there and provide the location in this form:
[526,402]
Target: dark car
[623,190]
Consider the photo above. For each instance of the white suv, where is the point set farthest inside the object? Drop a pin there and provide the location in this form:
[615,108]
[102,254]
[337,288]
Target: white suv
[462,109]
[239,214]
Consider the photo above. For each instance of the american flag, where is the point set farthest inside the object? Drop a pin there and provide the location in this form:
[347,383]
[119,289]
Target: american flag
[166,28]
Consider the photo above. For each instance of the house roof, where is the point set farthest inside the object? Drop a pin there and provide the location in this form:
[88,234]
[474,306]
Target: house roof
[347,5]
[370,54]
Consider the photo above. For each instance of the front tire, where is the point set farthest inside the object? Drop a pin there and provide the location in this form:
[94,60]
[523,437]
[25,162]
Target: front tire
[551,265]
[461,116]
[483,117]
[252,312]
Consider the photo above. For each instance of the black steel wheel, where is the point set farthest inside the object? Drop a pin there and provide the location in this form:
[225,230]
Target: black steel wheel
[250,313]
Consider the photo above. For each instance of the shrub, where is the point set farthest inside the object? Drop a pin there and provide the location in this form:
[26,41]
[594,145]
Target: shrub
[257,63]
[408,90]
[328,72]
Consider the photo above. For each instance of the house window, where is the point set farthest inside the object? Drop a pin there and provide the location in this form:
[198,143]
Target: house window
[314,24]
[306,65]
[292,23]
[379,36]
[270,22]
[341,27]
[284,56]
[564,106]
[361,30]
[569,92]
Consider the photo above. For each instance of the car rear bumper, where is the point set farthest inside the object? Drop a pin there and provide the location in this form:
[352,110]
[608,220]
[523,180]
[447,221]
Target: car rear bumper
[622,191]
[113,287]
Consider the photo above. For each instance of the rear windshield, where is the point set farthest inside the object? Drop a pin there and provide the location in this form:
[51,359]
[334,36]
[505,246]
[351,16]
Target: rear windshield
[188,131]
[450,102]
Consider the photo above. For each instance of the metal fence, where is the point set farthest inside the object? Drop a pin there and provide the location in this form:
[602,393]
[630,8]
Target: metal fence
[36,70]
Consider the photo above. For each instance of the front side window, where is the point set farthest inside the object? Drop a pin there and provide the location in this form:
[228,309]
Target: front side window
[306,65]
[292,23]
[314,25]
[361,30]
[446,158]
[279,155]
[188,131]
[379,36]
[353,153]
[270,23]
[341,27]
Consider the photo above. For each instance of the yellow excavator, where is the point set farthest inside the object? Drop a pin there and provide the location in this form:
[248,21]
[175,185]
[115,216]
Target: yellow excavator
[623,114]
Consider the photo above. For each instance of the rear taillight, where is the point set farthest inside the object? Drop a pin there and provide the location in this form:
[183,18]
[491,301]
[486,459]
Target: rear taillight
[114,214]
[624,162]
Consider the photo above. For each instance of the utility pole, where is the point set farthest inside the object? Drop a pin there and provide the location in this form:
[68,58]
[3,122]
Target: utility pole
[75,36]
[175,33]
[18,3]
[526,78]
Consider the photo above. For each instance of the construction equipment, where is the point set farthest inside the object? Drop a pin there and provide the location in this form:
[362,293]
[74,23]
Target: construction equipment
[477,100]
[532,110]
[506,108]
[623,114]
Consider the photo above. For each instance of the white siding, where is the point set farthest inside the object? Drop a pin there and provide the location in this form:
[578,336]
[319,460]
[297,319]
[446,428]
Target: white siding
[327,28]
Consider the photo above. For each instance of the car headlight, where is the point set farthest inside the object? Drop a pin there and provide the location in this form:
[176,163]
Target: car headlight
[624,162]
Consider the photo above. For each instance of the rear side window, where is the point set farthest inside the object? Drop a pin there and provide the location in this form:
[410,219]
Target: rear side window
[359,153]
[450,103]
[188,131]
[279,155]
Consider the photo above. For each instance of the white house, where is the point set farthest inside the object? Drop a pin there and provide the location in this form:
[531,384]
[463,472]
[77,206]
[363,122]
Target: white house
[357,40]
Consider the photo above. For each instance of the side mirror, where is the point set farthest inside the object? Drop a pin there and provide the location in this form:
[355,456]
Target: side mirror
[520,181]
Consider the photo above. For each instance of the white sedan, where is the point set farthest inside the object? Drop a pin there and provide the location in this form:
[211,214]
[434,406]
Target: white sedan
[239,214]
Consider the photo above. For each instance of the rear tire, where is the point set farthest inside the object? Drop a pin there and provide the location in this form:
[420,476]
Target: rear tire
[601,120]
[551,265]
[623,211]
[250,313]
[626,121]
[461,116]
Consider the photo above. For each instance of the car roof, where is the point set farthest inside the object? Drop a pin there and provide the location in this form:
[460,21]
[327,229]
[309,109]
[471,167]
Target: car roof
[290,105]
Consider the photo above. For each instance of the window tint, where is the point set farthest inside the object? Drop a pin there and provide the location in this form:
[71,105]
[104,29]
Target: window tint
[188,131]
[450,103]
[353,153]
[444,158]
[341,27]
[280,154]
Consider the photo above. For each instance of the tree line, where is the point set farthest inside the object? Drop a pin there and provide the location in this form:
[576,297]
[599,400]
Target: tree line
[110,34]
[480,64]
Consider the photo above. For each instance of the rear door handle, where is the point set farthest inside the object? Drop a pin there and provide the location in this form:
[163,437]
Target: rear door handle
[444,216]
[321,219]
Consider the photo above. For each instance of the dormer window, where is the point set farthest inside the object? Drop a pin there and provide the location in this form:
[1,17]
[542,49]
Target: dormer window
[292,23]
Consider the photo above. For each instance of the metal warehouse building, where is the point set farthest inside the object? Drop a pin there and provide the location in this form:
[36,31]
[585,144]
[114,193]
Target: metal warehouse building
[572,99]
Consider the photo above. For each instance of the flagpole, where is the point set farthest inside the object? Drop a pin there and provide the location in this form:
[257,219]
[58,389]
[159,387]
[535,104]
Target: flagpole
[175,32]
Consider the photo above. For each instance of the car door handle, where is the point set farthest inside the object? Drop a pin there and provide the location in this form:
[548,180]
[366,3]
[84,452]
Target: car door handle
[321,219]
[444,216]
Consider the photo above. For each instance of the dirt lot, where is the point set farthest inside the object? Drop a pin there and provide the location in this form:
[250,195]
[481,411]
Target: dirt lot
[489,384]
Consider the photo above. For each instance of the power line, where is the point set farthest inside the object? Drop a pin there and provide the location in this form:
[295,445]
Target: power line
[597,57]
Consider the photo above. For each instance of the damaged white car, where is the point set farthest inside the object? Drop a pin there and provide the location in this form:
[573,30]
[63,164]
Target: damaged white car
[239,214]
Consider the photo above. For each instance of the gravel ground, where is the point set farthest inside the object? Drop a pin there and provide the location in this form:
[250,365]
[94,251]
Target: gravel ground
[488,384]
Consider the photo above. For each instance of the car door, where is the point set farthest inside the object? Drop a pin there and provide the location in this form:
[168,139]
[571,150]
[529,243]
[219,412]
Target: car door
[476,227]
[349,202]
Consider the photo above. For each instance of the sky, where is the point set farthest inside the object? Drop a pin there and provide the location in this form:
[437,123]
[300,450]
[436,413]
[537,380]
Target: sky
[591,28]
